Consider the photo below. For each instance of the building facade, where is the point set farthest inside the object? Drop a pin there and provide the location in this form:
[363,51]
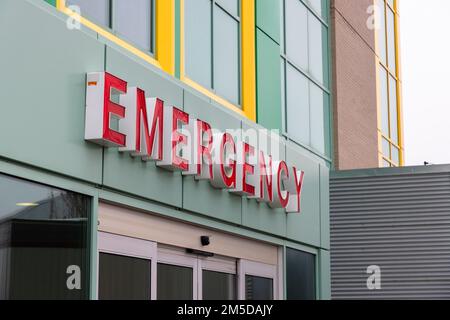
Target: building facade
[367,106]
[390,233]
[100,199]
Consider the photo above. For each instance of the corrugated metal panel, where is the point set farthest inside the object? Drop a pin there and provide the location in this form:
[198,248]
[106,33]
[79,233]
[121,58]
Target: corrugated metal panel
[399,222]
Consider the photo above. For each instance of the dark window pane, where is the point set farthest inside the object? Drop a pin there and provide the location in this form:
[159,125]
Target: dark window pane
[174,282]
[300,275]
[218,286]
[258,288]
[123,278]
[43,242]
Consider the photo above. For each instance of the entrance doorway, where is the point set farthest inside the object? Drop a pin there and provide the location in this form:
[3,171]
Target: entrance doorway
[134,269]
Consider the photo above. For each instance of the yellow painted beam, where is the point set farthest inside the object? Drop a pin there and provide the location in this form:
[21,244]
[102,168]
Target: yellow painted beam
[248,59]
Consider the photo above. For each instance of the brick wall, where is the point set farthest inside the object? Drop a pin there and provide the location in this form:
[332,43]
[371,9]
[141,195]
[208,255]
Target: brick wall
[354,86]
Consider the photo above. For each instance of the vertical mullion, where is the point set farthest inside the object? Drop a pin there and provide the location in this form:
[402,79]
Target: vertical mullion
[111,19]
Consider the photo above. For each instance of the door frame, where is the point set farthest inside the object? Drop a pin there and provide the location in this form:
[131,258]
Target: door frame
[258,269]
[128,247]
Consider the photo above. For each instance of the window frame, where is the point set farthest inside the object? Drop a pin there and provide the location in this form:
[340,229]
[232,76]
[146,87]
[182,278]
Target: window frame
[384,159]
[247,79]
[163,22]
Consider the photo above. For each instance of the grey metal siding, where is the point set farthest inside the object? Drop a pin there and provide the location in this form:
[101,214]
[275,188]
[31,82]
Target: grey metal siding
[398,220]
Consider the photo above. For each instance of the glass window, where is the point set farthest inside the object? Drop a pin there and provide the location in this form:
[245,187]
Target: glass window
[198,38]
[384,101]
[304,64]
[395,155]
[297,100]
[212,46]
[97,11]
[300,275]
[391,40]
[219,286]
[174,282]
[297,33]
[317,98]
[123,278]
[133,22]
[232,6]
[386,148]
[381,14]
[258,288]
[226,56]
[317,36]
[393,109]
[44,233]
[317,6]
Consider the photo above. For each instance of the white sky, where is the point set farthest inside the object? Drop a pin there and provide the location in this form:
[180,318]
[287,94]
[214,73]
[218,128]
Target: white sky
[425,50]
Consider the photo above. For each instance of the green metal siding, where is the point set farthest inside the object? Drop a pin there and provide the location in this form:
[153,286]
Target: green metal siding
[43,91]
[268,81]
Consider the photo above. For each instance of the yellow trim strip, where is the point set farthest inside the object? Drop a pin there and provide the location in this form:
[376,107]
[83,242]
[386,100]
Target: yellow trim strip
[165,34]
[248,78]
[248,59]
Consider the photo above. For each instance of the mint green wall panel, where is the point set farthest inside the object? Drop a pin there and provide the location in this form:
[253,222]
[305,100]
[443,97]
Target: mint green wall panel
[268,17]
[121,171]
[305,227]
[268,79]
[200,196]
[42,88]
[324,207]
[260,216]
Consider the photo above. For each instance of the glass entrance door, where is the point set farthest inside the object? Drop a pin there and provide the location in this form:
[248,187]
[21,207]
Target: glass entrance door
[257,281]
[126,268]
[219,278]
[134,269]
[177,275]
[183,276]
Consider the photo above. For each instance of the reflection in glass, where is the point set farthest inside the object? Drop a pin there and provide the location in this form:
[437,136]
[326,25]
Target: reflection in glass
[219,286]
[258,288]
[174,282]
[43,232]
[123,278]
